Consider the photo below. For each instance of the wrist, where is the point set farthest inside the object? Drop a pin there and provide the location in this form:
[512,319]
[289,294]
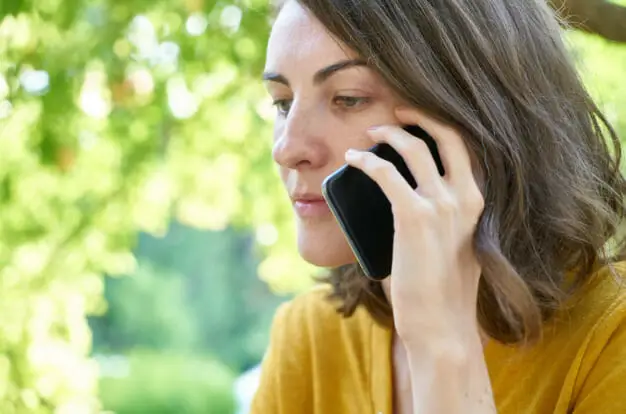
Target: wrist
[450,352]
[449,375]
[454,352]
[437,327]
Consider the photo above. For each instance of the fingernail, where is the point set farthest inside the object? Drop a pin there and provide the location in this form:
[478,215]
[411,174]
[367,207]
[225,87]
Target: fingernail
[373,127]
[351,154]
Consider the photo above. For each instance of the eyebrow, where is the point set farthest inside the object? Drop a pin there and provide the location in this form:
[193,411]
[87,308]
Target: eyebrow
[321,75]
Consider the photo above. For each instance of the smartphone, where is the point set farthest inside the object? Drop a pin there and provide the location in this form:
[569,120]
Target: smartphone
[364,212]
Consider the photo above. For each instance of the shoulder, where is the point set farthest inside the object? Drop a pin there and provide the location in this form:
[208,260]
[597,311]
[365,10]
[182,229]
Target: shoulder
[313,314]
[287,373]
[314,301]
[579,366]
[593,322]
[601,311]
[309,333]
[603,298]
[596,309]
[314,350]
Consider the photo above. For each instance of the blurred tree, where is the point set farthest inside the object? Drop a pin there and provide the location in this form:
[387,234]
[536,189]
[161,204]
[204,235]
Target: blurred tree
[114,116]
[146,310]
[170,383]
[194,291]
[228,305]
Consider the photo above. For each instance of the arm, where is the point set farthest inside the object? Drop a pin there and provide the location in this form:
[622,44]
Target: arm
[447,377]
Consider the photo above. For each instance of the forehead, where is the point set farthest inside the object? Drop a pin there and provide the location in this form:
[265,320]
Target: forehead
[298,37]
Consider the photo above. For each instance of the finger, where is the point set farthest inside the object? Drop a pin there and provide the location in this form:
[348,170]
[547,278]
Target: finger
[415,153]
[454,154]
[385,174]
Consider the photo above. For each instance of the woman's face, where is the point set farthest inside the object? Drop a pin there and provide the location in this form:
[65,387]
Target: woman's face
[325,101]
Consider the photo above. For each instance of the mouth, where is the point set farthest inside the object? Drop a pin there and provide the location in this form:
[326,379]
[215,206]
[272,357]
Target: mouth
[310,206]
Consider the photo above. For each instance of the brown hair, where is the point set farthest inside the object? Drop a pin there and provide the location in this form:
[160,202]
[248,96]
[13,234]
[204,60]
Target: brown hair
[499,71]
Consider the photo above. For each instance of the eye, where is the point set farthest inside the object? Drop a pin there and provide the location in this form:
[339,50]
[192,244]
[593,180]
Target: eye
[349,102]
[282,106]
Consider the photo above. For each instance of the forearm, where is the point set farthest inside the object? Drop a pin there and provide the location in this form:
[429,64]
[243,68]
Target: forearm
[449,378]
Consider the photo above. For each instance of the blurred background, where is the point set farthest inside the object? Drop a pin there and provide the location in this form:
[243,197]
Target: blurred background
[145,241]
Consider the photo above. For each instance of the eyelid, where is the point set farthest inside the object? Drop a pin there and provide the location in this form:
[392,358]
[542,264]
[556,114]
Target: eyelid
[277,89]
[343,101]
[351,97]
[276,104]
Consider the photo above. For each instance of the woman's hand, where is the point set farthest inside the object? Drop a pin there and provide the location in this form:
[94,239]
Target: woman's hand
[434,278]
[435,274]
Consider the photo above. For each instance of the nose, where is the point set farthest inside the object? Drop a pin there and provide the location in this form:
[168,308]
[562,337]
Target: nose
[300,141]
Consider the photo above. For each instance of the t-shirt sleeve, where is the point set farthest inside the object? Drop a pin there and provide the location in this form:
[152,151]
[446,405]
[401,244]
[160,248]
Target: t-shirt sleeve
[604,388]
[285,383]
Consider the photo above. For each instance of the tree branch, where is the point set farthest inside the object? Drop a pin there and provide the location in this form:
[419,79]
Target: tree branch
[599,17]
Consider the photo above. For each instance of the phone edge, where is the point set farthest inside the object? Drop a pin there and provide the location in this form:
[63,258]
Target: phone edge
[338,217]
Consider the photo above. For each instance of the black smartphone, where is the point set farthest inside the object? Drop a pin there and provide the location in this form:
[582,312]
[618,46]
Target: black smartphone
[364,212]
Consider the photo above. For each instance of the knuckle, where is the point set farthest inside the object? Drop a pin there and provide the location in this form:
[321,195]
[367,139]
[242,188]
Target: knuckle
[414,214]
[417,146]
[447,205]
[420,144]
[426,212]
[381,168]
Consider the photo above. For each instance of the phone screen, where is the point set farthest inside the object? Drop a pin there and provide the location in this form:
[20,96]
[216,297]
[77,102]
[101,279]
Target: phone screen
[364,212]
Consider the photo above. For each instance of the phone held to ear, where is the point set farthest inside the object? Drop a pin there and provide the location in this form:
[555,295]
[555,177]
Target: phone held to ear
[364,212]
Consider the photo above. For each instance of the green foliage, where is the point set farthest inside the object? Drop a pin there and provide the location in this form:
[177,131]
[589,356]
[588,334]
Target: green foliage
[229,306]
[193,291]
[147,309]
[603,67]
[114,116]
[169,384]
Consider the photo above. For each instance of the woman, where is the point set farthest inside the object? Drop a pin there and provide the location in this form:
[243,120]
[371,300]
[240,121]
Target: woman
[505,292]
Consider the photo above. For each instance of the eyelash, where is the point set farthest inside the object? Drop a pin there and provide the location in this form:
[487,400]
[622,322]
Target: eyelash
[277,103]
[356,100]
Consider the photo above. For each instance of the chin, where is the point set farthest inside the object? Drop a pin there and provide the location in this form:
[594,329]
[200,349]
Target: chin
[324,245]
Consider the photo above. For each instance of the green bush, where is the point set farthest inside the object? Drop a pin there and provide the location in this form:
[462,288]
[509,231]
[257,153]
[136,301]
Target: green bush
[158,383]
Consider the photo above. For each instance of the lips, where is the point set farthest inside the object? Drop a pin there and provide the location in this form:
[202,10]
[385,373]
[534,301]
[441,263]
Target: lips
[310,205]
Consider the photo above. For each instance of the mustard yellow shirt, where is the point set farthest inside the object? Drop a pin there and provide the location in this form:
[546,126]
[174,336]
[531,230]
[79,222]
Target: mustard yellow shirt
[320,363]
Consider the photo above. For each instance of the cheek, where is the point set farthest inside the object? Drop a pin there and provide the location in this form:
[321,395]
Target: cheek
[288,177]
[343,136]
[355,126]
